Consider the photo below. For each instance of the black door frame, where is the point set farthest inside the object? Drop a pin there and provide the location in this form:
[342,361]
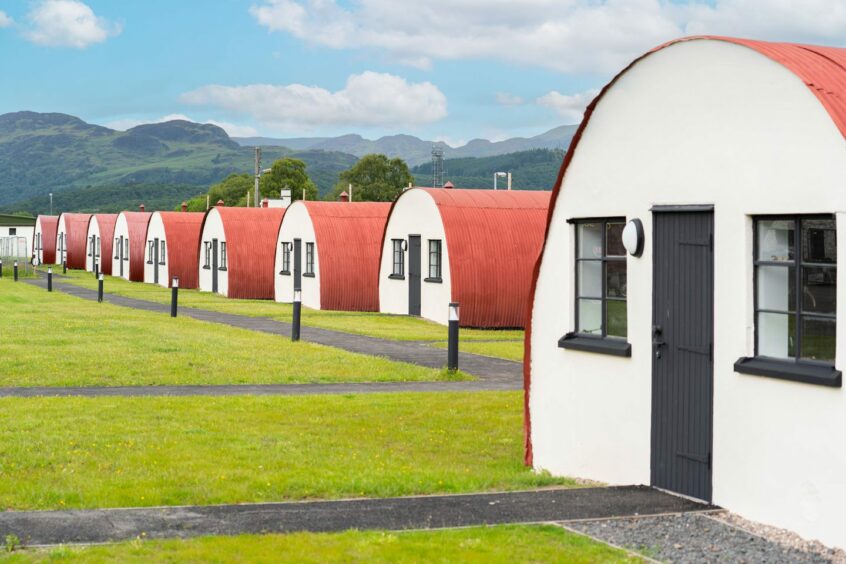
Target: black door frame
[415,275]
[670,468]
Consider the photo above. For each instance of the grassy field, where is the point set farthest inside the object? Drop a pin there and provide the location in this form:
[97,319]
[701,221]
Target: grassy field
[507,544]
[58,340]
[119,452]
[509,350]
[395,327]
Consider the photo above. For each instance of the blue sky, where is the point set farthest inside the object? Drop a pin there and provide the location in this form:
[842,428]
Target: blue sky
[450,70]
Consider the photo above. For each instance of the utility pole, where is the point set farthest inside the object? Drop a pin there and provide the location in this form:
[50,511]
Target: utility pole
[258,174]
[51,203]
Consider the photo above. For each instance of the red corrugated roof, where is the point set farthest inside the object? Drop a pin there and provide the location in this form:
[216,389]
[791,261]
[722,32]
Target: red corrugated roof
[49,226]
[349,239]
[182,230]
[492,238]
[76,228]
[250,249]
[136,223]
[822,69]
[106,222]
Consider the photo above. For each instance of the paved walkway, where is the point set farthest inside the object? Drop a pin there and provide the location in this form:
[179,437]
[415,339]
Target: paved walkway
[494,373]
[425,512]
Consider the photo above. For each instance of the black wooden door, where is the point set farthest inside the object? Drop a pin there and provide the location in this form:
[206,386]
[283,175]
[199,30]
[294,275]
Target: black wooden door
[682,352]
[214,265]
[120,253]
[298,264]
[414,275]
[155,261]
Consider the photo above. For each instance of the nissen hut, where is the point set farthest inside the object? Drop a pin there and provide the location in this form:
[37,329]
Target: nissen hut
[129,245]
[98,256]
[44,239]
[71,236]
[172,242]
[710,175]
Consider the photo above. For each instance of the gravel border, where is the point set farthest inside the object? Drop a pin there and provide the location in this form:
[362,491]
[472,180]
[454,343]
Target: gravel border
[693,538]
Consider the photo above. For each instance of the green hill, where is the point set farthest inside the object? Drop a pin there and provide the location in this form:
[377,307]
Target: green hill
[531,170]
[94,168]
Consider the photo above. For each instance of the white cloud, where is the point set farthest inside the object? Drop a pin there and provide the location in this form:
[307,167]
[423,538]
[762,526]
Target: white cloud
[597,36]
[5,19]
[367,99]
[68,23]
[233,129]
[506,99]
[570,107]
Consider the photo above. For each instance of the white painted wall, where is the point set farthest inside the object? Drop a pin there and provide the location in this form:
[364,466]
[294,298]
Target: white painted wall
[61,241]
[37,235]
[212,229]
[93,231]
[121,236]
[415,213]
[702,122]
[156,230]
[25,231]
[297,225]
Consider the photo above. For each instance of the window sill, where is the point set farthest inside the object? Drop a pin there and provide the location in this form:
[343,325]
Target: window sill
[396,277]
[433,280]
[285,272]
[819,374]
[223,268]
[149,262]
[206,268]
[308,274]
[613,347]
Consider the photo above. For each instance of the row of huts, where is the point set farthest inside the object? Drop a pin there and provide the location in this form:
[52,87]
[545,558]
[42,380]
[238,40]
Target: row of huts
[414,256]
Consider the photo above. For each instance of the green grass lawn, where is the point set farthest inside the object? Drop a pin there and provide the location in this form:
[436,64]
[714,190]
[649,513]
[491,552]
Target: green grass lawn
[504,543]
[58,340]
[122,452]
[509,350]
[395,327]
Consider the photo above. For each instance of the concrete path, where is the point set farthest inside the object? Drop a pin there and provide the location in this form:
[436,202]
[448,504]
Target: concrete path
[496,373]
[425,512]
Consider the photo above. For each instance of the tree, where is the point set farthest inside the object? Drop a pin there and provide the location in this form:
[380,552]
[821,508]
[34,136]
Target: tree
[374,178]
[291,174]
[232,190]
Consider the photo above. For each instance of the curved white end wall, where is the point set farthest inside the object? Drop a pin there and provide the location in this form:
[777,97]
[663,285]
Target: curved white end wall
[61,241]
[93,231]
[212,230]
[701,122]
[156,234]
[297,225]
[121,249]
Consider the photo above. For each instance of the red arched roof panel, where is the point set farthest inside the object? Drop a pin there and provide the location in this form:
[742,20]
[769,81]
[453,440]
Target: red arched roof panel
[822,69]
[349,244]
[106,222]
[136,224]
[182,230]
[493,238]
[49,226]
[76,227]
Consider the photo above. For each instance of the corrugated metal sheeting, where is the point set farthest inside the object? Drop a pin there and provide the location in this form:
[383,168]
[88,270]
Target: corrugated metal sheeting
[76,228]
[182,230]
[106,222]
[251,250]
[136,223]
[822,69]
[349,243]
[49,226]
[493,238]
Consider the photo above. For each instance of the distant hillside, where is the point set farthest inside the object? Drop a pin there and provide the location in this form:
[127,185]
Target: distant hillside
[530,170]
[95,168]
[416,151]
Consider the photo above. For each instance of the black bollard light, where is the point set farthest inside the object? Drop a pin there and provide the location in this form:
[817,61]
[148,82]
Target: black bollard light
[1,268]
[452,346]
[64,267]
[49,278]
[298,308]
[16,271]
[174,295]
[100,288]
[96,270]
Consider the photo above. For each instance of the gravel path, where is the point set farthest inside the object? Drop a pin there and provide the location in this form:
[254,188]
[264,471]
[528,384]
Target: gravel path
[689,538]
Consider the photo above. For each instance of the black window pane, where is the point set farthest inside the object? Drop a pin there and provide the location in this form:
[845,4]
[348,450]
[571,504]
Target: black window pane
[818,339]
[617,321]
[776,239]
[616,279]
[614,240]
[819,289]
[819,240]
[777,288]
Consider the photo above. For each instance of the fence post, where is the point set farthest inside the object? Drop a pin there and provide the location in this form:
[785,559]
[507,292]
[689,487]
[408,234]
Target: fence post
[298,307]
[100,288]
[452,350]
[174,295]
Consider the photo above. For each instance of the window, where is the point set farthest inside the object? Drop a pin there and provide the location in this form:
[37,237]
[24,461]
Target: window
[399,258]
[91,246]
[796,287]
[126,249]
[162,253]
[309,265]
[434,260]
[206,255]
[601,279]
[97,251]
[13,231]
[222,256]
[286,259]
[117,247]
[150,250]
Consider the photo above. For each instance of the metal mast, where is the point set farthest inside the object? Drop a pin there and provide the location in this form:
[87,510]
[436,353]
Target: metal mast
[437,167]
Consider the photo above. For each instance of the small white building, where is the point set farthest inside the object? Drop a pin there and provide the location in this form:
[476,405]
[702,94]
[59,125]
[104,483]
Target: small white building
[331,250]
[98,254]
[475,247]
[16,236]
[129,245]
[710,174]
[44,239]
[172,248]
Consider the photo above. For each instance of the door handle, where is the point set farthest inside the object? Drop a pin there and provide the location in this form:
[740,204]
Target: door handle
[657,341]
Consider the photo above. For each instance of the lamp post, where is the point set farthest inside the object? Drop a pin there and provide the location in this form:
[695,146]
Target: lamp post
[452,345]
[1,268]
[298,306]
[49,278]
[499,175]
[174,295]
[16,271]
[100,288]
